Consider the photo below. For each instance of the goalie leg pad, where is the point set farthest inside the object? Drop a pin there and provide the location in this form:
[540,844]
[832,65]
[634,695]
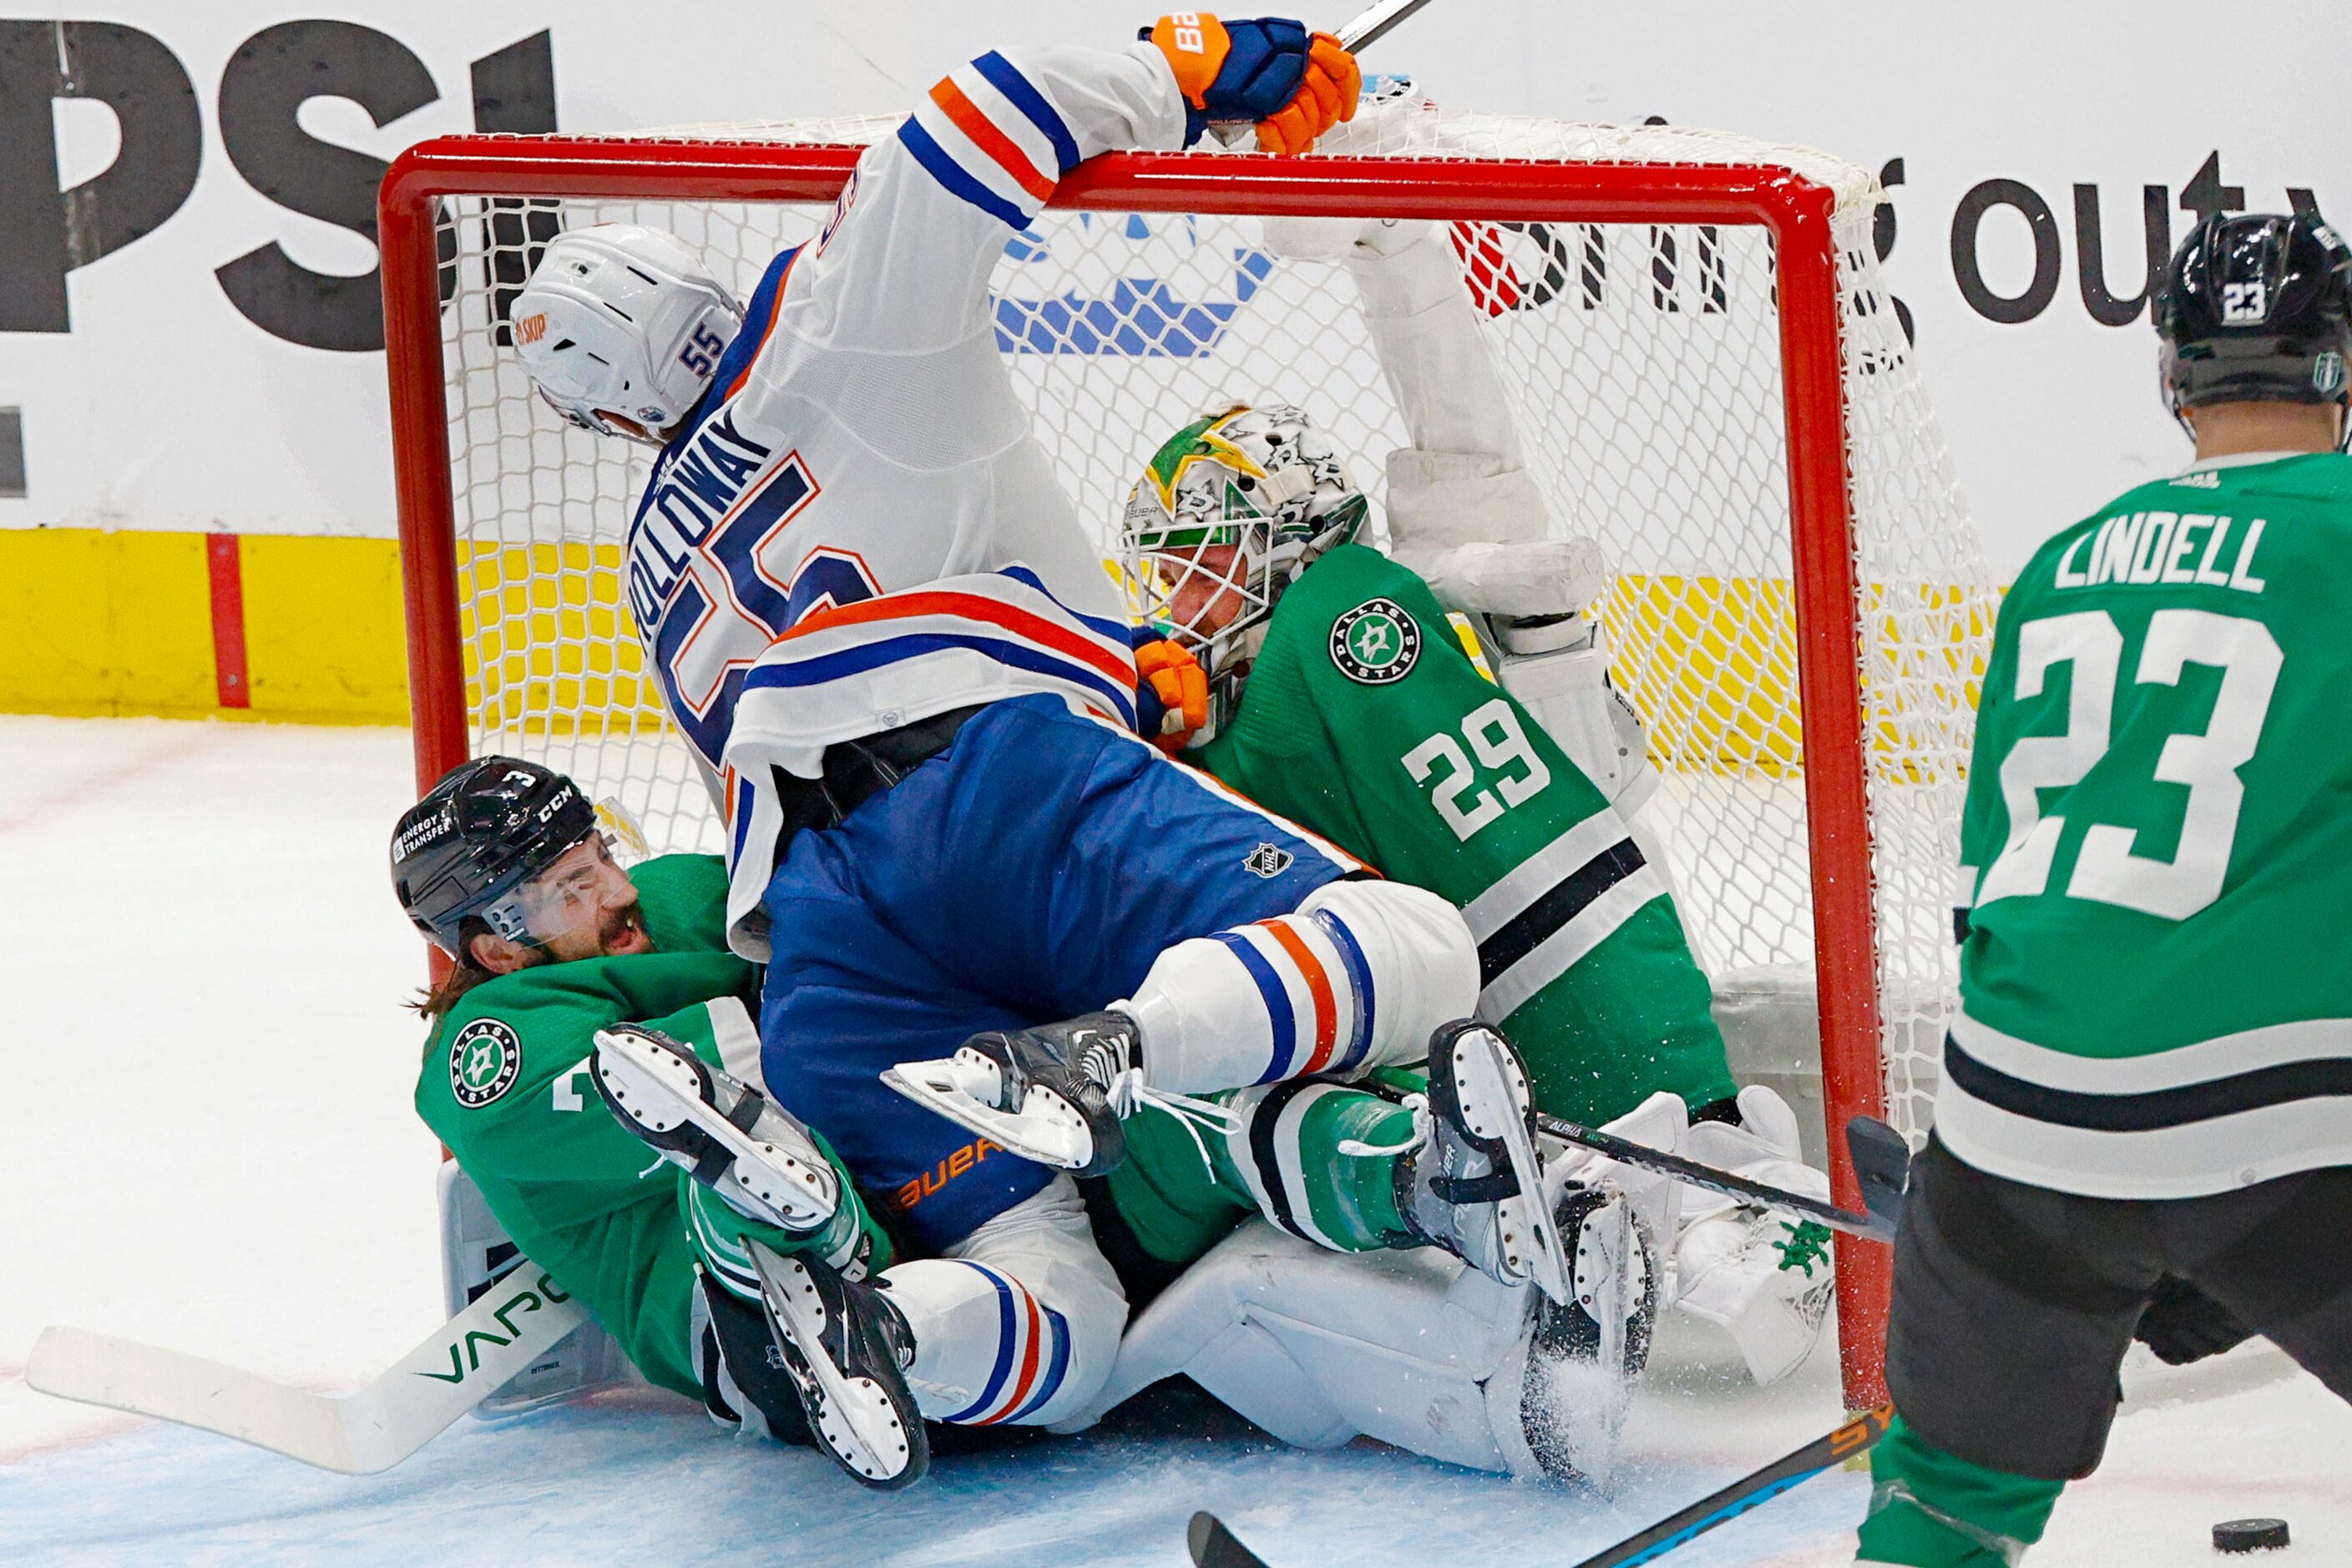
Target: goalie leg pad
[1762,1278]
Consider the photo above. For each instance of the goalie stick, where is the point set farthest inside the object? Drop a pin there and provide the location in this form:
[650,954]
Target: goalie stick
[513,1323]
[1869,1227]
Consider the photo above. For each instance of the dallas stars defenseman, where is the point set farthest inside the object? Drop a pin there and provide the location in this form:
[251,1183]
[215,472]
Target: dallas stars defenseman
[2144,1118]
[503,866]
[1359,705]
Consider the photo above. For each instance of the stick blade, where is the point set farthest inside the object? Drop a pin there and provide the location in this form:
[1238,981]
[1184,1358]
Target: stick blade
[172,1386]
[1214,1546]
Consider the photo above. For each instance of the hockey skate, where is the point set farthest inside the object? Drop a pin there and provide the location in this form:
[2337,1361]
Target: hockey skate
[1587,1354]
[1764,1280]
[754,1154]
[846,1347]
[1053,1094]
[1474,1186]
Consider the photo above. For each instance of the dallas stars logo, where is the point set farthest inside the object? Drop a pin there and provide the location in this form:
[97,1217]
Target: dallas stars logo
[484,1061]
[1376,643]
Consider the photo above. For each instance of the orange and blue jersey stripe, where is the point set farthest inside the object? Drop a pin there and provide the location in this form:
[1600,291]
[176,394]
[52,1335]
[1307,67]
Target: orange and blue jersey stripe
[1032,1355]
[989,135]
[897,627]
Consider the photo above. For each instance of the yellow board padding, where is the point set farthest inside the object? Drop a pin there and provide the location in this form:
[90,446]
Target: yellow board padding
[549,646]
[324,628]
[1711,665]
[105,623]
[119,623]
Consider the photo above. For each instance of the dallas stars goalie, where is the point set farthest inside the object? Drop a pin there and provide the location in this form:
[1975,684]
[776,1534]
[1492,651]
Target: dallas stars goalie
[1358,694]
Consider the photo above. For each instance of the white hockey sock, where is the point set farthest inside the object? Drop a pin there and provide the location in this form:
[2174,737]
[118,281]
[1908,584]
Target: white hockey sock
[1358,976]
[1020,1324]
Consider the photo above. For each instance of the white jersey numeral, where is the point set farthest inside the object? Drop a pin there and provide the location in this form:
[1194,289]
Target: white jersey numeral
[2106,870]
[1496,735]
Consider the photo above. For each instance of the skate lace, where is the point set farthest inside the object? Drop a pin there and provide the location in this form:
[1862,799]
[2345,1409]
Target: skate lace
[1424,1128]
[1128,1093]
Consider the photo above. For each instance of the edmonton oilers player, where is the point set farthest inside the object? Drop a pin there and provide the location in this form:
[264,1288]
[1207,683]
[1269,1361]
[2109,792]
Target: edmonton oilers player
[872,610]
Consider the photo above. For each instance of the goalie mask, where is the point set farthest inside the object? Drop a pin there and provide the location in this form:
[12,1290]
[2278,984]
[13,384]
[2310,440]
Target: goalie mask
[1227,514]
[623,319]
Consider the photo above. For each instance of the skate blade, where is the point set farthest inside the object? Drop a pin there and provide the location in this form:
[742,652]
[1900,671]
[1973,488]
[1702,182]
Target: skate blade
[1045,1129]
[797,1196]
[1527,1216]
[855,1419]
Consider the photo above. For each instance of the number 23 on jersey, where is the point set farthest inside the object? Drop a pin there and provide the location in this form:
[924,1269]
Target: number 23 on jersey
[2107,869]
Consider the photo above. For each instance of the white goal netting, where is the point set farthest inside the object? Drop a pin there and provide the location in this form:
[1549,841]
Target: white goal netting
[1645,366]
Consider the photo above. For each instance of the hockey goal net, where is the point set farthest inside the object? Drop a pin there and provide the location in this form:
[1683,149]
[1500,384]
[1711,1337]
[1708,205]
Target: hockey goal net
[1708,375]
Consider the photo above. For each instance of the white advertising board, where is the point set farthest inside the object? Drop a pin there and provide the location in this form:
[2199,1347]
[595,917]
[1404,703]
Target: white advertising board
[186,289]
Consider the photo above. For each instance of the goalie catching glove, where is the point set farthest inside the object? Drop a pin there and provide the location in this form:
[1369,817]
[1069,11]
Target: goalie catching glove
[1293,85]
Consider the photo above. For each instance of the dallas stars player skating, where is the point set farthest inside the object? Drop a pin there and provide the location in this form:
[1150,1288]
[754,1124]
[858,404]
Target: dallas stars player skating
[1346,695]
[2144,1107]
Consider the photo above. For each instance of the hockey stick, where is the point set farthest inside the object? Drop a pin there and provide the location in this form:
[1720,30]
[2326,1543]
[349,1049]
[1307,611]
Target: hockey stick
[1869,1227]
[511,1326]
[1214,1546]
[1855,1436]
[1369,29]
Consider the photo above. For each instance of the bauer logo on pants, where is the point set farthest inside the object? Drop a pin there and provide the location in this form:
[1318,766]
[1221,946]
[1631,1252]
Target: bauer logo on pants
[1376,643]
[484,1061]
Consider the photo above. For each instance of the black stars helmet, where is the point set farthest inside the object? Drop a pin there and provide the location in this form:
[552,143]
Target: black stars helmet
[487,826]
[2257,309]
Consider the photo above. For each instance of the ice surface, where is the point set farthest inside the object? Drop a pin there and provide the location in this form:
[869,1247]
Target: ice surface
[205,1140]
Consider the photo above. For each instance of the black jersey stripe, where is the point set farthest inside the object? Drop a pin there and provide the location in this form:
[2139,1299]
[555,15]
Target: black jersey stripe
[2156,1109]
[1264,1153]
[1568,898]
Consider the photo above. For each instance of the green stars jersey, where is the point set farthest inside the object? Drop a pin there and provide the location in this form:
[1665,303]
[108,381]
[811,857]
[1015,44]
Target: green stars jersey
[1366,720]
[2155,987]
[506,1086]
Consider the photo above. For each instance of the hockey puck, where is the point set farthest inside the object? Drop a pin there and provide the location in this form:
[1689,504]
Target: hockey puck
[2250,1535]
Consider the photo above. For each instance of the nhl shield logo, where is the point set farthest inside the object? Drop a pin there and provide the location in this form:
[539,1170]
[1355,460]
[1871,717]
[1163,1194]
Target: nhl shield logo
[1376,643]
[485,1059]
[1269,860]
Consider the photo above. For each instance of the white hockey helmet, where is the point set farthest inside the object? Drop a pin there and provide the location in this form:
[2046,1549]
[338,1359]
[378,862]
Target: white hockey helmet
[1228,513]
[623,319]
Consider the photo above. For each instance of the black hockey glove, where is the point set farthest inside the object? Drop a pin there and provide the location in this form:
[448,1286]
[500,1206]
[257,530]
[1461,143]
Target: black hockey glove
[2184,1325]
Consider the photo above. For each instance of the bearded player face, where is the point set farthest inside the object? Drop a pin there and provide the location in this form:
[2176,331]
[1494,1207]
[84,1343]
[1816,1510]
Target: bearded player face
[583,906]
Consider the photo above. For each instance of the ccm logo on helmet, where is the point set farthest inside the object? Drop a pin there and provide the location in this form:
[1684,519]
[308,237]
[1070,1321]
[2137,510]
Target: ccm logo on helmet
[531,328]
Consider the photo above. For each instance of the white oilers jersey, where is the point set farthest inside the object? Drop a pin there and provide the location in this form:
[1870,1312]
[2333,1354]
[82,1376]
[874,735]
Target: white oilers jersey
[862,436]
[859,670]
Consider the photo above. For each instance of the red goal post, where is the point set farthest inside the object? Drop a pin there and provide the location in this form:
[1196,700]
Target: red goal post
[1798,218]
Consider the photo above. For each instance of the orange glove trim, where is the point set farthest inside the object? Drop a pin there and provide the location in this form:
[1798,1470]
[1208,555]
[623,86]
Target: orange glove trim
[1196,45]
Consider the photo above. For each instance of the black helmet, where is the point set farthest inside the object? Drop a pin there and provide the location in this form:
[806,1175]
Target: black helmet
[487,826]
[2256,309]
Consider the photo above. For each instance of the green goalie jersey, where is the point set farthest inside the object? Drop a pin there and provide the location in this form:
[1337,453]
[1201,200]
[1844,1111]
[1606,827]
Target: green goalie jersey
[2156,985]
[1366,720]
[506,1086]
